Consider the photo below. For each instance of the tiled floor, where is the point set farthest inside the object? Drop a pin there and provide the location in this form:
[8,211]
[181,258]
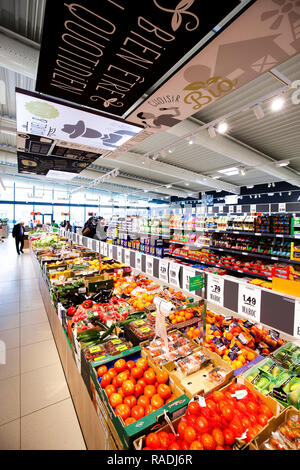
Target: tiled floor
[36,410]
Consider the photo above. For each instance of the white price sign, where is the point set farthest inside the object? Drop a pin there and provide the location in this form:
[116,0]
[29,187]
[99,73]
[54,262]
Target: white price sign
[127,257]
[138,261]
[174,270]
[110,251]
[149,265]
[186,274]
[200,209]
[119,254]
[163,270]
[98,246]
[249,302]
[105,249]
[80,239]
[215,289]
[239,209]
[221,209]
[210,209]
[252,208]
[90,243]
[102,248]
[297,319]
[282,207]
[231,209]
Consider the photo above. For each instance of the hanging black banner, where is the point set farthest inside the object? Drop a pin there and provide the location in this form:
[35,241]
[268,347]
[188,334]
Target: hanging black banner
[106,54]
[41,164]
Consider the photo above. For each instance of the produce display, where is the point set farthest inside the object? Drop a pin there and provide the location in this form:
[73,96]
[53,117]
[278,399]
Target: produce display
[285,437]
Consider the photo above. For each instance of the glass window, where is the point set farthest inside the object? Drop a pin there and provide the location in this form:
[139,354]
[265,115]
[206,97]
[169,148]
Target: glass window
[77,216]
[23,213]
[7,212]
[59,213]
[24,191]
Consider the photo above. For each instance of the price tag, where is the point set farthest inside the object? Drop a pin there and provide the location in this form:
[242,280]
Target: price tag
[249,302]
[105,249]
[297,319]
[239,209]
[252,208]
[149,265]
[138,261]
[231,209]
[127,257]
[119,254]
[90,243]
[282,207]
[215,289]
[163,270]
[80,239]
[174,270]
[110,251]
[221,209]
[98,246]
[187,273]
[210,209]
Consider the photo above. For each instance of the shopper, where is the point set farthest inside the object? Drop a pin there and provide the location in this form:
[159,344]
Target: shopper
[89,228]
[101,230]
[18,234]
[68,226]
[54,224]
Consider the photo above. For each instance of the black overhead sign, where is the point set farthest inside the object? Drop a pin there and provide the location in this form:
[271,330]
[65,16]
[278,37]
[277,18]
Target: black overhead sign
[106,54]
[42,164]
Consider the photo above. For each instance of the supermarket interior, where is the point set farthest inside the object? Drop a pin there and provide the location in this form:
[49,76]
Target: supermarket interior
[150,244]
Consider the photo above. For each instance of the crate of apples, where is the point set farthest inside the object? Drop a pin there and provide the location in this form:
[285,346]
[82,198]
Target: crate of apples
[134,389]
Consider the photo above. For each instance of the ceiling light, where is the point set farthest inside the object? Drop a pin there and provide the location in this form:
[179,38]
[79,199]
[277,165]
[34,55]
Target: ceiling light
[168,186]
[171,149]
[191,140]
[273,184]
[290,193]
[243,172]
[222,127]
[211,131]
[250,196]
[269,185]
[219,190]
[187,184]
[155,157]
[145,190]
[215,177]
[230,171]
[280,194]
[270,194]
[250,186]
[255,197]
[277,103]
[258,111]
[282,163]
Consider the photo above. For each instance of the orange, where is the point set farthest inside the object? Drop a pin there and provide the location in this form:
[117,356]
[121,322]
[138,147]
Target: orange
[157,401]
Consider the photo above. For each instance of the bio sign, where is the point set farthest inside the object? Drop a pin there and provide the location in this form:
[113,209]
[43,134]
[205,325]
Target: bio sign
[106,54]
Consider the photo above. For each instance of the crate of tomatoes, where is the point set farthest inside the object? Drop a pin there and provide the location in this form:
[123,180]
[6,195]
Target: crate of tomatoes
[136,397]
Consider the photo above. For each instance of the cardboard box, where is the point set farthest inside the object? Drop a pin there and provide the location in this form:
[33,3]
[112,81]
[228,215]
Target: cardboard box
[95,283]
[128,434]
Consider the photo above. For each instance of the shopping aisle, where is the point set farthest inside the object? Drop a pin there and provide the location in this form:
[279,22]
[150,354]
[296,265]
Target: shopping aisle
[36,410]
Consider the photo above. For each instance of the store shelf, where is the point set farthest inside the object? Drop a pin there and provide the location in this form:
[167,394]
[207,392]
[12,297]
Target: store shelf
[257,234]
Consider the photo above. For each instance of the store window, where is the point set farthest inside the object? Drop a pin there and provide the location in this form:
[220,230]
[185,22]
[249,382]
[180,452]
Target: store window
[7,212]
[23,213]
[77,216]
[24,191]
[59,213]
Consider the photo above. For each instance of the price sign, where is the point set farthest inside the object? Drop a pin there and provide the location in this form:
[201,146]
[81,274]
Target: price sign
[110,251]
[174,270]
[163,270]
[127,257]
[200,209]
[249,302]
[105,249]
[119,254]
[90,243]
[231,209]
[80,239]
[210,209]
[215,289]
[187,273]
[149,265]
[297,319]
[138,261]
[221,209]
[252,208]
[239,209]
[282,207]
[98,246]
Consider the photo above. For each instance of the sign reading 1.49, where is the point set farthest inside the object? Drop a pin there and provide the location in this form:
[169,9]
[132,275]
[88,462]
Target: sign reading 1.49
[249,302]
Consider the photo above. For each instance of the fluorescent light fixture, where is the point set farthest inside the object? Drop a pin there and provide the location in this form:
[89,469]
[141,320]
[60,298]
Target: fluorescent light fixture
[290,193]
[211,131]
[250,186]
[61,175]
[243,172]
[216,177]
[270,194]
[282,163]
[277,103]
[222,127]
[187,184]
[258,111]
[230,171]
[168,186]
[190,194]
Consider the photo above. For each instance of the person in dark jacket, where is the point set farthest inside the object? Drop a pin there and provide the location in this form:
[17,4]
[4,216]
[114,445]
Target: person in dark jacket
[18,234]
[89,228]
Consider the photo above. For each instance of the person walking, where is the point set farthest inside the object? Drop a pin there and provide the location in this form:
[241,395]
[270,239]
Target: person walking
[18,234]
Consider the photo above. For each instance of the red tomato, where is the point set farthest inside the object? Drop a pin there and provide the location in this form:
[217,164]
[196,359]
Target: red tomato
[130,365]
[142,382]
[114,382]
[130,401]
[106,379]
[235,386]
[196,445]
[162,377]
[122,410]
[202,425]
[149,376]
[241,407]
[136,372]
[149,390]
[215,420]
[208,441]
[149,409]
[115,399]
[164,439]
[264,409]
[228,412]
[120,365]
[194,408]
[218,436]
[185,445]
[211,405]
[138,390]
[229,437]
[219,448]
[152,441]
[246,423]
[251,433]
[236,427]
[143,401]
[174,446]
[181,428]
[121,377]
[262,419]
[164,391]
[142,363]
[218,396]
[252,408]
[128,387]
[129,420]
[112,372]
[191,420]
[137,412]
[109,389]
[157,401]
[101,371]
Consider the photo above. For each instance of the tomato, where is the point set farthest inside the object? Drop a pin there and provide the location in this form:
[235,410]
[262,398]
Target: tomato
[115,399]
[218,436]
[174,446]
[181,428]
[206,413]
[162,377]
[196,445]
[252,408]
[252,420]
[251,433]
[164,439]
[137,412]
[109,389]
[130,401]
[241,406]
[219,448]
[142,382]
[143,401]
[229,437]
[229,398]
[120,365]
[122,410]
[129,420]
[211,405]
[152,441]
[101,371]
[132,380]
[262,419]
[149,376]
[191,420]
[112,372]
[142,363]
[202,425]
[189,434]
[121,377]
[149,409]
[136,372]
[236,427]
[138,390]
[164,391]
[157,401]
[208,441]
[218,396]
[235,386]
[149,390]
[246,423]
[264,409]
[185,445]
[128,387]
[193,408]
[130,365]
[228,412]
[114,382]
[106,379]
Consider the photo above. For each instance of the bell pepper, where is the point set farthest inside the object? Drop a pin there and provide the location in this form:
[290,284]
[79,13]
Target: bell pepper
[87,303]
[71,311]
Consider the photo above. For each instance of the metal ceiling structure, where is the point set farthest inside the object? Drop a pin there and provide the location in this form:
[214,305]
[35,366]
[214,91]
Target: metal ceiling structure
[252,145]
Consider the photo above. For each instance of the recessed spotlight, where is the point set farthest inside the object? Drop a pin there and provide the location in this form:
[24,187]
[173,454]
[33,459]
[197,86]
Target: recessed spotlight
[216,177]
[250,186]
[187,184]
[280,194]
[277,103]
[191,140]
[222,127]
[290,193]
[168,186]
[211,131]
[243,172]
